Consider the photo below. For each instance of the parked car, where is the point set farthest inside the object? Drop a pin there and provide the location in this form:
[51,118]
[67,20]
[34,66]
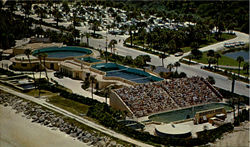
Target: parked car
[178,54]
[58,75]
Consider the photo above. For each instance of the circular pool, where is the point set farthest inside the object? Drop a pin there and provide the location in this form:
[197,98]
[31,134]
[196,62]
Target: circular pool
[63,52]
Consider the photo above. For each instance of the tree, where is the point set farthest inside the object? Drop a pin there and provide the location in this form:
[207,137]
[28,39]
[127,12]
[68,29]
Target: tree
[127,60]
[112,44]
[44,55]
[194,45]
[240,59]
[87,35]
[65,7]
[170,66]
[146,58]
[40,61]
[210,53]
[57,15]
[27,9]
[95,25]
[197,54]
[210,61]
[177,64]
[162,56]
[139,61]
[131,29]
[246,67]
[211,80]
[27,52]
[233,77]
[40,12]
[217,56]
[93,80]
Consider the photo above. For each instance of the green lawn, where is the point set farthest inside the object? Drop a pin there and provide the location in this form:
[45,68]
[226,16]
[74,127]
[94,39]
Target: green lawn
[242,72]
[69,105]
[42,93]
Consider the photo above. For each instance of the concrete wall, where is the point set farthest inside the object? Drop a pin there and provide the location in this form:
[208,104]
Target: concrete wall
[117,103]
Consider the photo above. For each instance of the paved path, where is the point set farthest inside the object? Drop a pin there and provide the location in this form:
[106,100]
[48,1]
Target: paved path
[75,86]
[77,118]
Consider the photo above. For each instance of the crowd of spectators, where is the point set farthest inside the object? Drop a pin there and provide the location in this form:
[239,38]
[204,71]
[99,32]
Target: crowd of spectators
[189,91]
[145,99]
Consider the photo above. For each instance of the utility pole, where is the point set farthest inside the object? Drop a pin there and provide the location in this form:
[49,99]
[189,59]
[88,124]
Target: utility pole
[106,48]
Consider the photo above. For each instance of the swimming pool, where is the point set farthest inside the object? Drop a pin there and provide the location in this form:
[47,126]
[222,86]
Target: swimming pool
[63,52]
[89,59]
[182,114]
[132,74]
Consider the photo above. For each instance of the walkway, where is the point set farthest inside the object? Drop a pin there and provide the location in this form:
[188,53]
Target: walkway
[75,86]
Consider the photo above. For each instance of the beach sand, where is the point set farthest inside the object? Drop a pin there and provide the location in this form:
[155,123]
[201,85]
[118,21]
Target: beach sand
[17,131]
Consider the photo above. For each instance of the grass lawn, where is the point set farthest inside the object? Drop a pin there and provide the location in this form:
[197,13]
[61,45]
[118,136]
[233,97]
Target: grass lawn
[42,93]
[69,105]
[242,72]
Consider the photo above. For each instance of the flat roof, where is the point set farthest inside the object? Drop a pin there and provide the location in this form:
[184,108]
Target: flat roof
[174,129]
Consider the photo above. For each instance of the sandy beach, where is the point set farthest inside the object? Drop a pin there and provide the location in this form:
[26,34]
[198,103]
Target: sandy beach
[17,131]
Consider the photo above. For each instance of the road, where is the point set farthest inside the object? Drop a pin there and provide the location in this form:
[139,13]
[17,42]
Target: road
[221,81]
[190,70]
[100,128]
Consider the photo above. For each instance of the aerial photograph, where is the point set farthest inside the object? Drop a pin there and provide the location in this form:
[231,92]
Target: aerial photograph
[124,73]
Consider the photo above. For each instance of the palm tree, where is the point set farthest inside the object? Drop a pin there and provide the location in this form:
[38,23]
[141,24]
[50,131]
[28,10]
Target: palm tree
[246,67]
[40,60]
[27,9]
[131,28]
[93,80]
[233,77]
[239,59]
[57,15]
[170,66]
[112,44]
[177,64]
[27,52]
[87,35]
[210,53]
[95,25]
[217,56]
[40,12]
[162,56]
[210,61]
[44,55]
[190,58]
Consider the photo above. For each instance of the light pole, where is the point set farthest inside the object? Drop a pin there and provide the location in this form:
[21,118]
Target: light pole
[106,47]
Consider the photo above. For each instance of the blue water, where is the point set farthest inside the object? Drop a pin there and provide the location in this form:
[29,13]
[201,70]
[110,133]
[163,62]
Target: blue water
[182,114]
[129,76]
[27,86]
[234,55]
[89,59]
[64,54]
[135,75]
